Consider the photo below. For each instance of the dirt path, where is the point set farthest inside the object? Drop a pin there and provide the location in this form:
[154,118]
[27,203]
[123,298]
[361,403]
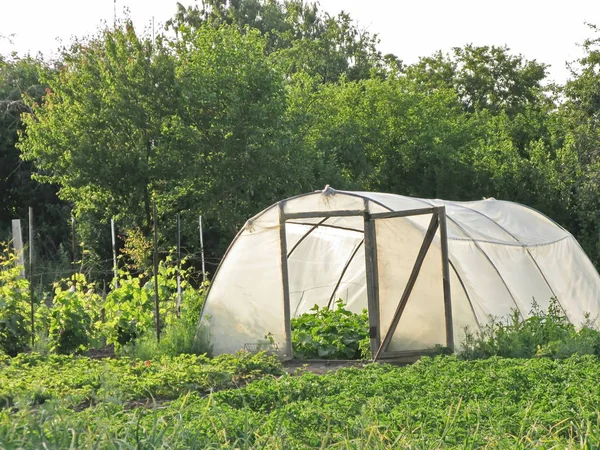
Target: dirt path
[320,366]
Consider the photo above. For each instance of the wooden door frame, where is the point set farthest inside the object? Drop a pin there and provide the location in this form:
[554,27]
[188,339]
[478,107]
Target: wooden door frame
[379,346]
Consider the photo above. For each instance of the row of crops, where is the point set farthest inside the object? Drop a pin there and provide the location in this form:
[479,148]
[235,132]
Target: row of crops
[248,401]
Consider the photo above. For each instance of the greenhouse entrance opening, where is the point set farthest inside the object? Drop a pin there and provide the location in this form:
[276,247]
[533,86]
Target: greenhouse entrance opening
[363,260]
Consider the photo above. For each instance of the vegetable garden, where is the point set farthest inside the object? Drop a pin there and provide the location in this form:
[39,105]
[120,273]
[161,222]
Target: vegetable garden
[530,384]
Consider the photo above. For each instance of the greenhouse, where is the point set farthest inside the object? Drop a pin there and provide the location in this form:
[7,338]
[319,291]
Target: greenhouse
[425,270]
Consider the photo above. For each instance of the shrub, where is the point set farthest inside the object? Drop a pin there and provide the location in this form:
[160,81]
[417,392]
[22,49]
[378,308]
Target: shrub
[545,333]
[74,311]
[14,305]
[128,311]
[331,334]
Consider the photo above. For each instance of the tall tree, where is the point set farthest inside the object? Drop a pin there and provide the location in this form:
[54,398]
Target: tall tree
[19,78]
[582,114]
[303,37]
[196,124]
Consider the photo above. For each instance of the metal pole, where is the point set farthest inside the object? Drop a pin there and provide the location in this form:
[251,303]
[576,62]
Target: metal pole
[114,250]
[156,306]
[31,299]
[202,250]
[178,309]
[73,249]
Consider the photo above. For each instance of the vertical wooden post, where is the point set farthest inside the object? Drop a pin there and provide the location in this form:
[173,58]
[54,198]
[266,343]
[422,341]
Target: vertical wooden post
[202,249]
[31,299]
[372,284]
[114,251]
[17,242]
[289,353]
[156,301]
[446,278]
[178,307]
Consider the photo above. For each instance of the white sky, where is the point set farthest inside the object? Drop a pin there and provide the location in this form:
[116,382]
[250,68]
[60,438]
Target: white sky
[547,31]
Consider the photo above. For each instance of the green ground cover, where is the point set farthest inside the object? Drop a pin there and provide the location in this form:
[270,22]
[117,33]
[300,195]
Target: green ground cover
[248,402]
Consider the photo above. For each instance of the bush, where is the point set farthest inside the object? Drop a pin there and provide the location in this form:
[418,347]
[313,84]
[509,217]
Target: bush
[74,311]
[331,334]
[545,333]
[14,305]
[128,311]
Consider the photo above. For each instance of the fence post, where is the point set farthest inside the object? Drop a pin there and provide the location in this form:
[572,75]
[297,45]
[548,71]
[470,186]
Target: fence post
[73,256]
[202,250]
[31,300]
[114,251]
[17,242]
[178,308]
[156,305]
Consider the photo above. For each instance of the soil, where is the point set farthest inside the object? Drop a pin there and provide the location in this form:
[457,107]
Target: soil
[320,366]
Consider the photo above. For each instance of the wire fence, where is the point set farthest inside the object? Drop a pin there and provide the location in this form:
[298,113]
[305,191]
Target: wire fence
[42,275]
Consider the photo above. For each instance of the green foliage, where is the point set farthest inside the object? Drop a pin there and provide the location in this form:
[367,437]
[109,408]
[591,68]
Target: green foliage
[544,334]
[245,401]
[178,337]
[485,78]
[331,334]
[128,311]
[15,330]
[300,36]
[75,309]
[21,76]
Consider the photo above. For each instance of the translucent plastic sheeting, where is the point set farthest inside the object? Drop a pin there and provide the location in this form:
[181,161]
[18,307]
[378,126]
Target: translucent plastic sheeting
[527,225]
[319,202]
[246,297]
[527,284]
[395,202]
[422,324]
[572,277]
[463,317]
[352,223]
[316,265]
[474,226]
[488,293]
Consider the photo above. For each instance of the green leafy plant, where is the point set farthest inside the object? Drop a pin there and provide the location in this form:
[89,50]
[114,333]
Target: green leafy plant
[331,334]
[127,311]
[74,310]
[544,334]
[14,305]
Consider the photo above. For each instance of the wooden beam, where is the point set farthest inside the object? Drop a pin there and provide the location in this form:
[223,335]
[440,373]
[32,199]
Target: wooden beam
[446,279]
[372,285]
[289,353]
[405,213]
[318,214]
